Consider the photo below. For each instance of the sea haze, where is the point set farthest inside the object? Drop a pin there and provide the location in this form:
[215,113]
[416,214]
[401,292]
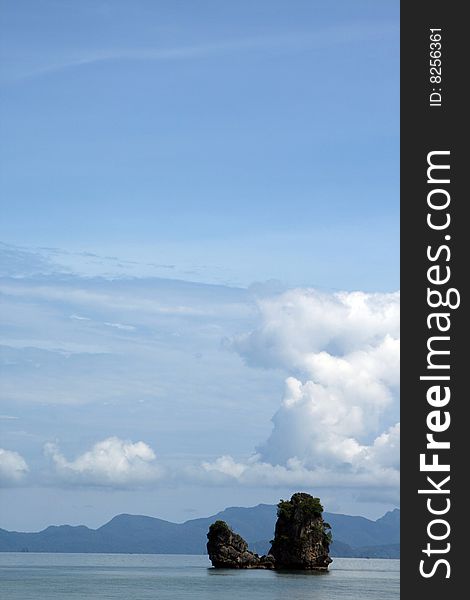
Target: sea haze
[353,536]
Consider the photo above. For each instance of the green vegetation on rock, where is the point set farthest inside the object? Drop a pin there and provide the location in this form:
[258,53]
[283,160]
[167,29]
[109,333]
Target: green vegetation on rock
[309,505]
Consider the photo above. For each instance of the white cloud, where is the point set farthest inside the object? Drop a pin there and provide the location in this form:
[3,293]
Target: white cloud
[111,462]
[300,323]
[13,467]
[255,472]
[335,423]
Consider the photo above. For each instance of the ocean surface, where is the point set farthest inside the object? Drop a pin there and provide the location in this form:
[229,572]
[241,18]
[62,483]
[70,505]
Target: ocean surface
[30,576]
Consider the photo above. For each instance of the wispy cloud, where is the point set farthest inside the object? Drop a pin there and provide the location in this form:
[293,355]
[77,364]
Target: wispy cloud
[327,37]
[94,299]
[120,326]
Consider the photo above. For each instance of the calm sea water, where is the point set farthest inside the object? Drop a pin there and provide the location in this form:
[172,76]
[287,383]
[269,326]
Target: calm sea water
[30,576]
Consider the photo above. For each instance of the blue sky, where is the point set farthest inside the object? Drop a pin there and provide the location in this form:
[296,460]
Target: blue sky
[159,162]
[259,138]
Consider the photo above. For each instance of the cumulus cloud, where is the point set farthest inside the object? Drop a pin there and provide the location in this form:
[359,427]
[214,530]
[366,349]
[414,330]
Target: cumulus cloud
[111,462]
[334,425]
[13,467]
[297,325]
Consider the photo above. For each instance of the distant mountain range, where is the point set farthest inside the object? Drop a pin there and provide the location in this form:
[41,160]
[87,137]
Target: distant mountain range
[135,534]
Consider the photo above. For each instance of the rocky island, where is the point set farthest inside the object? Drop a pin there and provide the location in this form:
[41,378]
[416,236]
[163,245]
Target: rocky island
[228,550]
[301,540]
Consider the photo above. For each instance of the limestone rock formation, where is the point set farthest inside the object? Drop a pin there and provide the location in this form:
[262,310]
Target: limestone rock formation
[301,538]
[228,550]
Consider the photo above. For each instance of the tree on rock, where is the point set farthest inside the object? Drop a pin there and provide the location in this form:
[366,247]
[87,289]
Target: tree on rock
[301,538]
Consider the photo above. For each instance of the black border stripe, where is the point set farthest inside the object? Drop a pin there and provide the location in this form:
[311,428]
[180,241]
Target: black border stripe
[426,128]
